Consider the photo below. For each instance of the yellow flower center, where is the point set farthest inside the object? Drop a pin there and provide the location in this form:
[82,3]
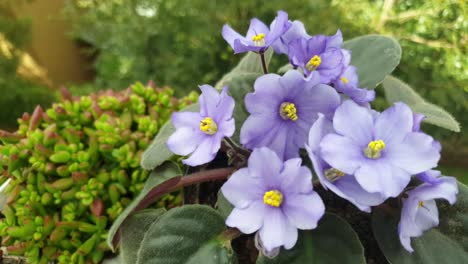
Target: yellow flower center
[333,174]
[313,63]
[259,40]
[273,198]
[288,111]
[208,126]
[421,204]
[374,149]
[344,80]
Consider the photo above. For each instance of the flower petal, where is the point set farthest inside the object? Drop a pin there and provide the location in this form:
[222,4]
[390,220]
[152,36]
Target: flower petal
[224,107]
[248,220]
[186,119]
[273,231]
[355,122]
[427,216]
[208,100]
[303,210]
[241,189]
[264,163]
[296,178]
[184,140]
[278,28]
[341,153]
[393,124]
[230,35]
[256,27]
[205,152]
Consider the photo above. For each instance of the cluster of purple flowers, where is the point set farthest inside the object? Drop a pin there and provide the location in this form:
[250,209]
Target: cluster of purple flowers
[359,154]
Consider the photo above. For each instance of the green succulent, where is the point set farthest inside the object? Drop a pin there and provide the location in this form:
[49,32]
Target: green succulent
[74,167]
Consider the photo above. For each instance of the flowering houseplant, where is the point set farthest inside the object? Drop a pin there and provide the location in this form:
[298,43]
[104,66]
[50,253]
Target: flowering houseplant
[257,137]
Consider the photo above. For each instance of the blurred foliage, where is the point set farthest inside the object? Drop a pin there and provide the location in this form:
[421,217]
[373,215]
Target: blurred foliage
[17,95]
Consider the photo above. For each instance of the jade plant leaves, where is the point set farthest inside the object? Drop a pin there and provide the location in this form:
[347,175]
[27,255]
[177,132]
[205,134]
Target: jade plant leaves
[188,234]
[333,241]
[374,56]
[448,243]
[398,91]
[158,152]
[166,171]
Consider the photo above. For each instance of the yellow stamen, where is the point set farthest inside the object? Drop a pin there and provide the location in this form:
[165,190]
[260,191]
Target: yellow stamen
[313,63]
[259,40]
[421,204]
[273,198]
[333,174]
[208,126]
[374,149]
[288,111]
[344,80]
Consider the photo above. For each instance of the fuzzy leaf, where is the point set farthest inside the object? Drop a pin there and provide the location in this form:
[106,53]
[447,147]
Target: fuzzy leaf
[223,206]
[398,91]
[158,152]
[333,241]
[447,243]
[374,56]
[166,171]
[188,234]
[133,231]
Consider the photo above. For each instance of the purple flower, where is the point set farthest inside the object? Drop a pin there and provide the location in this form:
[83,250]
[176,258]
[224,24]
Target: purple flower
[282,110]
[347,83]
[320,53]
[296,30]
[380,150]
[259,37]
[419,212]
[344,185]
[273,197]
[201,133]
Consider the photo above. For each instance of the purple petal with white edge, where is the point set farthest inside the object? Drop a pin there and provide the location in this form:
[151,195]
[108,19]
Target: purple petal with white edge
[341,153]
[303,210]
[205,152]
[296,178]
[256,27]
[394,124]
[290,236]
[265,164]
[274,228]
[208,100]
[417,119]
[186,119]
[248,220]
[278,28]
[335,41]
[241,189]
[415,154]
[224,107]
[230,35]
[185,140]
[355,122]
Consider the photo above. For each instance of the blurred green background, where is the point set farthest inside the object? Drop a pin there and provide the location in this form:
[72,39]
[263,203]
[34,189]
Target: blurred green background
[88,45]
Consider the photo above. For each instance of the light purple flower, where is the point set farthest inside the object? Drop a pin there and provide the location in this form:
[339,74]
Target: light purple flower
[348,84]
[274,198]
[282,110]
[200,134]
[382,152]
[296,30]
[259,37]
[420,213]
[320,53]
[344,185]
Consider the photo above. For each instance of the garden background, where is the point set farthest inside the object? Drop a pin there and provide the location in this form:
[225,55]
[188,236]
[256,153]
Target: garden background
[88,45]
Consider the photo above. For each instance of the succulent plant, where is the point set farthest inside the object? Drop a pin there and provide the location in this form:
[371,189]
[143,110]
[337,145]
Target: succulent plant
[75,167]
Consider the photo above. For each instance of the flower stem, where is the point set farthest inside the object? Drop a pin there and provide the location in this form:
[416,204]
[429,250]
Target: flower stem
[236,147]
[264,66]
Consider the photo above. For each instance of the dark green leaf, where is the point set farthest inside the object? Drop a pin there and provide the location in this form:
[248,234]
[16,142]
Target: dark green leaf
[447,243]
[398,91]
[158,152]
[333,241]
[162,173]
[223,205]
[188,234]
[374,56]
[134,230]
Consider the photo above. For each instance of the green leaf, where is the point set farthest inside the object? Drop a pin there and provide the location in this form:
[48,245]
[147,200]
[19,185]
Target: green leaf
[398,91]
[162,173]
[158,152]
[447,243]
[333,241]
[188,234]
[285,68]
[223,206]
[374,56]
[133,231]
[249,64]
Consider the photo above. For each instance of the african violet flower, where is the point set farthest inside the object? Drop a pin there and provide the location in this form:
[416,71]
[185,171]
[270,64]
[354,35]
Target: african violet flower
[347,83]
[282,110]
[273,197]
[380,150]
[420,213]
[201,133]
[344,185]
[259,37]
[296,30]
[320,53]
